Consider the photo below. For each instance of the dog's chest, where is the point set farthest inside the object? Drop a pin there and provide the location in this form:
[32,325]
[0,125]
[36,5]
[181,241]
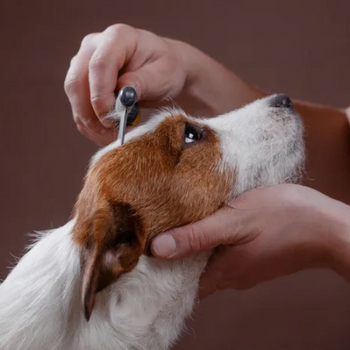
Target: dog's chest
[145,309]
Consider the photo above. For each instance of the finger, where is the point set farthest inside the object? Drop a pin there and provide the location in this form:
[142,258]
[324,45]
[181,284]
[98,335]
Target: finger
[235,266]
[208,287]
[117,48]
[220,272]
[148,82]
[214,277]
[147,69]
[219,228]
[101,140]
[77,88]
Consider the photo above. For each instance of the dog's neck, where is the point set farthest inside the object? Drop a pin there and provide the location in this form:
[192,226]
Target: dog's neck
[143,310]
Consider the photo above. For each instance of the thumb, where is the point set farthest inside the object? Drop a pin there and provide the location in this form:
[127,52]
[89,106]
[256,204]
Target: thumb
[134,79]
[203,235]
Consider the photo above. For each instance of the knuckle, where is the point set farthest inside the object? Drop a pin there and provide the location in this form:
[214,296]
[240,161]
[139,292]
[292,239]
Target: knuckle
[71,86]
[73,60]
[97,64]
[119,28]
[87,124]
[77,120]
[88,39]
[93,125]
[196,238]
[81,129]
[81,122]
[99,105]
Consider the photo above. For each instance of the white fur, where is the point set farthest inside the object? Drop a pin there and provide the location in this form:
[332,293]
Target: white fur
[40,301]
[263,144]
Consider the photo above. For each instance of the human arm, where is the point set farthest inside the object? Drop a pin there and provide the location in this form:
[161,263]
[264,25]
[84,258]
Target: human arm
[264,234]
[159,68]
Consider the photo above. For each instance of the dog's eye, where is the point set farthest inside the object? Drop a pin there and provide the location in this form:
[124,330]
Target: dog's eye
[192,134]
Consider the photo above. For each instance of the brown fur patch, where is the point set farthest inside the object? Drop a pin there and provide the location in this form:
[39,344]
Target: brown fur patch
[165,182]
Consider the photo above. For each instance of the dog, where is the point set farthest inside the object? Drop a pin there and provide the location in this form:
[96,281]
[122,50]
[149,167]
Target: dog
[92,284]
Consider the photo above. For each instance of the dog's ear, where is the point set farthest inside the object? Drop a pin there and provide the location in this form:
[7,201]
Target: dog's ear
[113,244]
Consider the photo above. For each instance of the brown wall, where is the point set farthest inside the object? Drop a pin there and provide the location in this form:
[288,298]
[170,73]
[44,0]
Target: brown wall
[298,47]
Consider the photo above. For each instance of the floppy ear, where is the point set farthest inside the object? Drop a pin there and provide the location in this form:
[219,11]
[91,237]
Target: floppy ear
[113,246]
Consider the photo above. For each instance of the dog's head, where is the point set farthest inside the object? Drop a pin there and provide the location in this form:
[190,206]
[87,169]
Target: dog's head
[174,170]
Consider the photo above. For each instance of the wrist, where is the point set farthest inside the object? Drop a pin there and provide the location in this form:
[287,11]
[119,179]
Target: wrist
[340,249]
[323,225]
[210,88]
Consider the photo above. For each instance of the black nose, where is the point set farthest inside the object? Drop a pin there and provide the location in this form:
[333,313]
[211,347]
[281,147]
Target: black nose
[281,101]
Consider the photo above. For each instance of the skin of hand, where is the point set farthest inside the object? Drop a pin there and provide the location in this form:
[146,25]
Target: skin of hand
[160,69]
[119,56]
[263,234]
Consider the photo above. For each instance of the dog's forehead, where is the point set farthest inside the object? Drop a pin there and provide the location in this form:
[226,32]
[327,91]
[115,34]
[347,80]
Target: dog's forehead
[144,129]
[165,179]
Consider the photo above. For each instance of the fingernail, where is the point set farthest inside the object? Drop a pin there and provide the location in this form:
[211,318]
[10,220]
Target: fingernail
[164,245]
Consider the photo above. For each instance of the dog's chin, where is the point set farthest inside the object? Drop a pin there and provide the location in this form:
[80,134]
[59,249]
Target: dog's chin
[297,177]
[296,156]
[296,174]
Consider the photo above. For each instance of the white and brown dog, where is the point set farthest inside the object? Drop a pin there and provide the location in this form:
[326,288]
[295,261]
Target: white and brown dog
[90,284]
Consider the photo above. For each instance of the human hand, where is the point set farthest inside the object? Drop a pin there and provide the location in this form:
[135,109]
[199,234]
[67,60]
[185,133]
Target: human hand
[160,70]
[121,56]
[263,234]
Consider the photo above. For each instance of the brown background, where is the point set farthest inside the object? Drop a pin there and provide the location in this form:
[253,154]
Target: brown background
[298,47]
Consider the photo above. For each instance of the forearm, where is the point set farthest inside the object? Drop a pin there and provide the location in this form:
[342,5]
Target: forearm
[327,138]
[210,87]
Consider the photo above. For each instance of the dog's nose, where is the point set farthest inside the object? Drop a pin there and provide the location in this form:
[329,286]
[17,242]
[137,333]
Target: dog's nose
[281,101]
